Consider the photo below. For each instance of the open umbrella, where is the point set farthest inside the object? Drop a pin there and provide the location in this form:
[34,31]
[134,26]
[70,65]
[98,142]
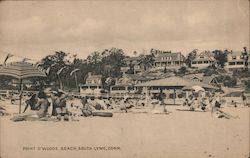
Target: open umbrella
[21,70]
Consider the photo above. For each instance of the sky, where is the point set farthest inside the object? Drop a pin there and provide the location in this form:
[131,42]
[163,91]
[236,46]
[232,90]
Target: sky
[34,29]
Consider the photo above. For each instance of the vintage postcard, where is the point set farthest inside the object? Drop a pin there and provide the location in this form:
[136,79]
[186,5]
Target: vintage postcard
[127,78]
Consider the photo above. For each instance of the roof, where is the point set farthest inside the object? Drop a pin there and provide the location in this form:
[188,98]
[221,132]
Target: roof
[235,53]
[132,58]
[175,56]
[89,84]
[122,85]
[207,79]
[191,76]
[209,56]
[136,77]
[200,76]
[174,82]
[94,77]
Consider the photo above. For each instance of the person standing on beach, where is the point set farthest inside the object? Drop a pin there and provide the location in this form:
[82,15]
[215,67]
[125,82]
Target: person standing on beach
[244,99]
[161,98]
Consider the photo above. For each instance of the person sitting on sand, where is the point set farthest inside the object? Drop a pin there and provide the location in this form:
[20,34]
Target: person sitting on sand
[42,104]
[60,104]
[109,103]
[101,102]
[31,102]
[87,108]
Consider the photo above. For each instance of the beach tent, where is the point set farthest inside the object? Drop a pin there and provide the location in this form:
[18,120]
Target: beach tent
[21,70]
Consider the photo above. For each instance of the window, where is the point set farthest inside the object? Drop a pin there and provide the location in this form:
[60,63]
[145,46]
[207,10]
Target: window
[233,57]
[205,62]
[130,88]
[239,63]
[201,57]
[231,63]
[194,62]
[199,62]
[93,87]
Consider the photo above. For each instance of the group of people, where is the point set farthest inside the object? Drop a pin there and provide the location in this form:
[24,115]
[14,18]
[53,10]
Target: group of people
[41,102]
[52,104]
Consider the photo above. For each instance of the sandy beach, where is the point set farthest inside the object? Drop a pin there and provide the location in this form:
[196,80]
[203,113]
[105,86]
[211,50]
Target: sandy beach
[177,134]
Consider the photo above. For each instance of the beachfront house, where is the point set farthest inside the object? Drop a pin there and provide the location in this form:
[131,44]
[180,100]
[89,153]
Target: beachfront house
[169,60]
[236,61]
[199,77]
[126,84]
[92,86]
[203,60]
[172,87]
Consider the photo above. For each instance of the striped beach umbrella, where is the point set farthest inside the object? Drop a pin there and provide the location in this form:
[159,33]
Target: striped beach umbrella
[21,70]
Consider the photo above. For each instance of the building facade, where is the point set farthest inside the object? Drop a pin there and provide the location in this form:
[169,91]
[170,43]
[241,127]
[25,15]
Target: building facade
[236,61]
[169,60]
[203,60]
[93,85]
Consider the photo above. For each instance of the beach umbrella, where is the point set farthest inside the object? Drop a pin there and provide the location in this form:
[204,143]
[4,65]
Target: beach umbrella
[198,88]
[21,70]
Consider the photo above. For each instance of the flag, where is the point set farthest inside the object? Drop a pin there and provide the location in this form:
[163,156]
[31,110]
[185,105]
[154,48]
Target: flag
[74,71]
[59,71]
[7,57]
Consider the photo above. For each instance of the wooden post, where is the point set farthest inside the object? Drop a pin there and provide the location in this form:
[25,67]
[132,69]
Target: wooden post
[174,95]
[76,81]
[20,97]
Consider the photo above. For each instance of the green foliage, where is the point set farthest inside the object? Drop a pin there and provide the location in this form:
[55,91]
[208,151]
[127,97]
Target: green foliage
[221,57]
[106,63]
[247,84]
[148,61]
[191,56]
[182,71]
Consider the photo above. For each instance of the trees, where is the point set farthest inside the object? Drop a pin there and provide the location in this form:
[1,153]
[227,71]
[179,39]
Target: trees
[55,65]
[148,61]
[220,57]
[191,56]
[245,55]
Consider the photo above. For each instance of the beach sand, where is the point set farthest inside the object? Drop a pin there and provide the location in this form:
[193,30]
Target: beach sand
[177,134]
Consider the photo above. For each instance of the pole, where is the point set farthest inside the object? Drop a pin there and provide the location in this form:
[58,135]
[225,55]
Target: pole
[20,96]
[76,81]
[146,96]
[174,95]
[60,82]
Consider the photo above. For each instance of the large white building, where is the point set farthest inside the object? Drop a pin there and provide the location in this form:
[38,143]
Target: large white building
[169,60]
[203,60]
[93,85]
[236,61]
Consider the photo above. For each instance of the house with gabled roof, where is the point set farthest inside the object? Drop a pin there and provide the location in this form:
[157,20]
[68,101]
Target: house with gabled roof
[92,86]
[135,63]
[236,61]
[203,60]
[169,60]
[125,84]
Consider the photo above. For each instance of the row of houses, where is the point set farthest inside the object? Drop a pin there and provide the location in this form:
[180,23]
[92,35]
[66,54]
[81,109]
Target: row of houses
[175,60]
[134,84]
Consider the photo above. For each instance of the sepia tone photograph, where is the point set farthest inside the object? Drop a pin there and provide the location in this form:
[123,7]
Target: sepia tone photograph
[125,78]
